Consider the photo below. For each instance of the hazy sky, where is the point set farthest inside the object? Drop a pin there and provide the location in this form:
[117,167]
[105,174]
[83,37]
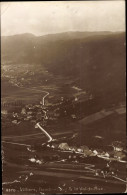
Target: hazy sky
[42,18]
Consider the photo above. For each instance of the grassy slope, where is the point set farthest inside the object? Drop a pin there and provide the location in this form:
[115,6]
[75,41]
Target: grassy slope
[98,62]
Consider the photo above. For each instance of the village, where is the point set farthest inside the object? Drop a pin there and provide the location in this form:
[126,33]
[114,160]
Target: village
[45,115]
[34,112]
[50,112]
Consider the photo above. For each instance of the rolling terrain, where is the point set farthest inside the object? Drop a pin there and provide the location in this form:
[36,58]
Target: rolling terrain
[95,60]
[82,77]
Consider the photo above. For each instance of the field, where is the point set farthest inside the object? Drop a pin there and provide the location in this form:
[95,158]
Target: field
[80,80]
[56,171]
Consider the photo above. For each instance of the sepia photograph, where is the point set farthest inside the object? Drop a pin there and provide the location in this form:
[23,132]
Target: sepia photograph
[63,97]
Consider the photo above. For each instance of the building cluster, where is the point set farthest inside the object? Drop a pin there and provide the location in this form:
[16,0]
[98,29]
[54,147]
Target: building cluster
[117,153]
[32,113]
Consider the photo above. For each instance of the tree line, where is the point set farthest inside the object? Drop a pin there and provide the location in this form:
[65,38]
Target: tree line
[16,103]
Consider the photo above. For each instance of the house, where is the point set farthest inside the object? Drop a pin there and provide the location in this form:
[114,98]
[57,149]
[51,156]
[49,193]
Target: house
[73,148]
[23,111]
[76,99]
[64,146]
[117,146]
[80,150]
[15,115]
[29,117]
[29,106]
[73,116]
[4,111]
[37,106]
[29,113]
[119,155]
[15,122]
[62,98]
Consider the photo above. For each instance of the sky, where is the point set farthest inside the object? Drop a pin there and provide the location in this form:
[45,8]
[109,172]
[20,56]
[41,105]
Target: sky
[40,18]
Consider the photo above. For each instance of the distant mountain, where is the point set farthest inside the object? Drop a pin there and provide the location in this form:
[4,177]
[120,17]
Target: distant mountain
[31,48]
[96,59]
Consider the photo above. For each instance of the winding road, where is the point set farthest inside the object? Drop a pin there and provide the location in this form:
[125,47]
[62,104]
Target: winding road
[63,173]
[45,132]
[43,98]
[37,125]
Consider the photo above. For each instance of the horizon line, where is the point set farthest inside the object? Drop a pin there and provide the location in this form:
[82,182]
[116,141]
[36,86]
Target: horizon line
[111,31]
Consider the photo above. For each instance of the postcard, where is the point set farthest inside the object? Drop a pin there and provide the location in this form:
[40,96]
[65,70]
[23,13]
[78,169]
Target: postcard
[63,97]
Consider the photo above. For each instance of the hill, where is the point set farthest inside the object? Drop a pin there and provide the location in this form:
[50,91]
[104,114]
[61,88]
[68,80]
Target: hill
[95,59]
